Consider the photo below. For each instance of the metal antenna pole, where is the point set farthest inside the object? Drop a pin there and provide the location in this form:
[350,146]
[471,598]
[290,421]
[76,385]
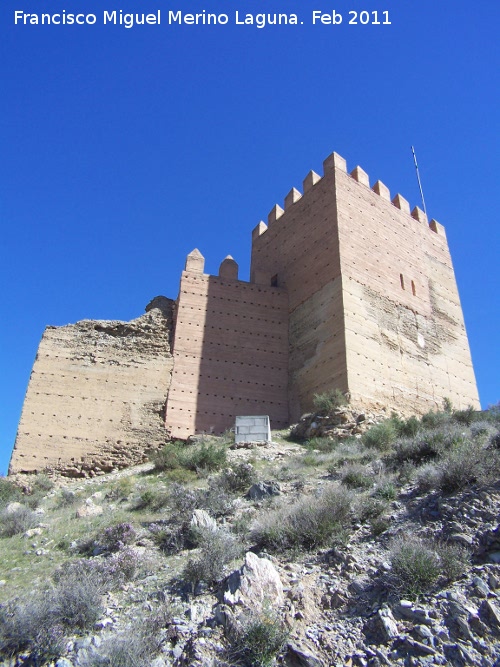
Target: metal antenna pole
[418,179]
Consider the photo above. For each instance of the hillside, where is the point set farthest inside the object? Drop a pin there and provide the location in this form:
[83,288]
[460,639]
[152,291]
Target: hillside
[367,541]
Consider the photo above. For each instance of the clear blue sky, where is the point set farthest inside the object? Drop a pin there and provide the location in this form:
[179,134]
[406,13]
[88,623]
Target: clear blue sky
[123,149]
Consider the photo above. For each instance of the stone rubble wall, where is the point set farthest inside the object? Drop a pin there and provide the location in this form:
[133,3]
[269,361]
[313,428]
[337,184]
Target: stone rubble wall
[96,396]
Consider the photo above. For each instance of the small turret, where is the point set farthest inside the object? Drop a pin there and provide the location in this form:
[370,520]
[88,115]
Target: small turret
[195,262]
[228,269]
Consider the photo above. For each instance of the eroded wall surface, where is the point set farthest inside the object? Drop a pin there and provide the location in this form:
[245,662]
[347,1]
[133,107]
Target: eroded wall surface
[374,306]
[406,342]
[230,355]
[96,395]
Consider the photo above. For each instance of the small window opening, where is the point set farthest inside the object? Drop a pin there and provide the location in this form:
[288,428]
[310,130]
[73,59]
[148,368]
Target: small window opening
[402,281]
[413,288]
[274,280]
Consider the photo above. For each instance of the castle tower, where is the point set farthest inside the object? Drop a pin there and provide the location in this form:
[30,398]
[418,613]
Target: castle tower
[373,302]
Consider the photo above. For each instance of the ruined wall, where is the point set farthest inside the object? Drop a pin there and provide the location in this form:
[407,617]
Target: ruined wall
[230,352]
[96,395]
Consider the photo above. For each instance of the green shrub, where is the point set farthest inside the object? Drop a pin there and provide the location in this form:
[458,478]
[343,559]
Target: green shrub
[466,465]
[428,445]
[406,472]
[350,450]
[386,490]
[447,405]
[35,492]
[492,414]
[415,566]
[329,401]
[381,436]
[16,521]
[122,488]
[418,565]
[435,419]
[180,476]
[38,624]
[481,430]
[200,458]
[238,478]
[356,476]
[322,444]
[420,449]
[406,428]
[217,548]
[454,560]
[259,641]
[66,498]
[41,483]
[153,499]
[9,492]
[466,416]
[171,538]
[309,523]
[369,508]
[310,459]
[379,524]
[169,457]
[495,440]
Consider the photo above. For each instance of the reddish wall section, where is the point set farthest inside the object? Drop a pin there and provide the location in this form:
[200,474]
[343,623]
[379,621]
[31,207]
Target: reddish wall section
[230,355]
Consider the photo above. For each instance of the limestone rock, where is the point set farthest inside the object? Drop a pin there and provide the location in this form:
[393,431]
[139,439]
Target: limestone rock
[343,422]
[202,519]
[262,490]
[255,585]
[298,656]
[388,624]
[31,532]
[491,612]
[88,509]
[13,507]
[64,662]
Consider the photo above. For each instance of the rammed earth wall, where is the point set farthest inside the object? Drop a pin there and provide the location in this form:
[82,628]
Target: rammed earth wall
[348,289]
[96,395]
[374,305]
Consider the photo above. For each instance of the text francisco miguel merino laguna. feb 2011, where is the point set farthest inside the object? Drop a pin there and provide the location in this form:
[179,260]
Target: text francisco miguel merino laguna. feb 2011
[178,17]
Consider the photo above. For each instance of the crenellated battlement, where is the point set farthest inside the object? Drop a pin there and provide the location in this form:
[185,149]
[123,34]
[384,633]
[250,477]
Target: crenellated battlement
[336,162]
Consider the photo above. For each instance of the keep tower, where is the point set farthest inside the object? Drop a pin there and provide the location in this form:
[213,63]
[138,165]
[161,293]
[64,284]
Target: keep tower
[373,302]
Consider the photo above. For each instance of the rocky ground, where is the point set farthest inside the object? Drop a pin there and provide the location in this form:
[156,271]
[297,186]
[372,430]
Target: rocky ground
[339,599]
